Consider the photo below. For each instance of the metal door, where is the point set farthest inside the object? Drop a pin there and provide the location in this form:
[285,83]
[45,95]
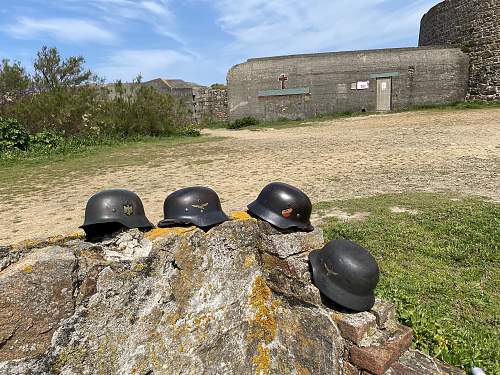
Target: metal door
[384,94]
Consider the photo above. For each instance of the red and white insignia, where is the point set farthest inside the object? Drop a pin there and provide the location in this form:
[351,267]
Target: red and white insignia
[287,212]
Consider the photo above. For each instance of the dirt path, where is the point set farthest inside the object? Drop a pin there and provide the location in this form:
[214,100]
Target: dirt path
[418,151]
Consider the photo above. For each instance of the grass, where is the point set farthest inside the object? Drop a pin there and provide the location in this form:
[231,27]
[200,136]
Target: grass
[441,266]
[286,123]
[37,173]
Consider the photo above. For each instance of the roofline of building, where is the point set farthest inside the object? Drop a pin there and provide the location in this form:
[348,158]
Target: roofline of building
[322,54]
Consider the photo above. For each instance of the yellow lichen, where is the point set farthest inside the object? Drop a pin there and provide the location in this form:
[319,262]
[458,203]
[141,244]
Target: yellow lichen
[55,239]
[301,370]
[28,268]
[241,215]
[262,360]
[202,321]
[138,267]
[162,232]
[27,244]
[264,321]
[249,261]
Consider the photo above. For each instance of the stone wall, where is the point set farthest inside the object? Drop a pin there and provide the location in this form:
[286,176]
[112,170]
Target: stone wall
[237,299]
[474,26]
[210,105]
[430,75]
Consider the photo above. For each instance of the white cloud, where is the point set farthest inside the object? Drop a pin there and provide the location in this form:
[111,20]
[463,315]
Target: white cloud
[149,63]
[65,29]
[156,13]
[155,8]
[275,27]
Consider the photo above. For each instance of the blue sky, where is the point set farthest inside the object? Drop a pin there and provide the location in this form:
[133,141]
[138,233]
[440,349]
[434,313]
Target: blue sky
[199,40]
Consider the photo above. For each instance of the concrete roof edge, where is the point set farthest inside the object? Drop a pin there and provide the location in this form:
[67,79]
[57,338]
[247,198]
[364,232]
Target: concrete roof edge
[321,54]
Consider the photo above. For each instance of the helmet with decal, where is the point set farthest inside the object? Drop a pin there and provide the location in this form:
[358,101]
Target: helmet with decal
[197,205]
[283,206]
[109,210]
[346,273]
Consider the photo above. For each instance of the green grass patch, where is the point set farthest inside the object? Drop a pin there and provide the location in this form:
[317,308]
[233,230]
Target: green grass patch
[38,173]
[440,264]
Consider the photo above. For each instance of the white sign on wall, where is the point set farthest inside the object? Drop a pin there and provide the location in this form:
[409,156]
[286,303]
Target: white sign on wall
[363,85]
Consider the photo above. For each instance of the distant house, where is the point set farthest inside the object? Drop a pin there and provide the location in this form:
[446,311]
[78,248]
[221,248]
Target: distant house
[178,88]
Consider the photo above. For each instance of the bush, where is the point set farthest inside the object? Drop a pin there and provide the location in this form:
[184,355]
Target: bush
[12,135]
[243,122]
[61,110]
[46,139]
[190,131]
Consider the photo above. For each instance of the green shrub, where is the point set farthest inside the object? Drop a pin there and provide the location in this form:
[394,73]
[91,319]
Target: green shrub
[12,135]
[141,110]
[243,122]
[61,110]
[190,131]
[46,139]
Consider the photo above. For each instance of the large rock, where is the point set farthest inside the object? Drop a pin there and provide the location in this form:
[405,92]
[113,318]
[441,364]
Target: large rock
[191,303]
[235,300]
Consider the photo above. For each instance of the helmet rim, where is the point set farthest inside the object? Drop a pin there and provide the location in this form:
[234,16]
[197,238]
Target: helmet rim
[207,220]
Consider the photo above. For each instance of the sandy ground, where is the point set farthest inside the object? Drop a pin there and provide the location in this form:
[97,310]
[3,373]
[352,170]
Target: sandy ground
[418,151]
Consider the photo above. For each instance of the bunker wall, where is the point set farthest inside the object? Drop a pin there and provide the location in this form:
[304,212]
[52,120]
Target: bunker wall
[324,81]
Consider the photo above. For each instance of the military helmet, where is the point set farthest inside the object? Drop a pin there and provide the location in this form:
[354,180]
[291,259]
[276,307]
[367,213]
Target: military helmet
[283,206]
[346,273]
[115,206]
[197,205]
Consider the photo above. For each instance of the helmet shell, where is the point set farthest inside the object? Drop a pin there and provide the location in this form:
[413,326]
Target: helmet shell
[283,206]
[116,206]
[346,273]
[197,205]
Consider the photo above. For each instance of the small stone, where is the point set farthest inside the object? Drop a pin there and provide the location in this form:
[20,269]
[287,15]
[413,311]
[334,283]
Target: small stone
[414,362]
[355,327]
[385,313]
[350,369]
[379,357]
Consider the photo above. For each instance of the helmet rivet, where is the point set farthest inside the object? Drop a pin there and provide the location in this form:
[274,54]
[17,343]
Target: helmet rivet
[114,210]
[186,209]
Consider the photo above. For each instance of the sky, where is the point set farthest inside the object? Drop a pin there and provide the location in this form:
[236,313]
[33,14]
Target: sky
[199,40]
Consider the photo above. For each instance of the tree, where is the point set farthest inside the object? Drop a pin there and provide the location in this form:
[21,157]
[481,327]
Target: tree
[218,86]
[14,81]
[52,72]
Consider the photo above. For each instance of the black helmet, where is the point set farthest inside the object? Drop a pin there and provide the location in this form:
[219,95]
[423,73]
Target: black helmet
[115,206]
[197,205]
[283,206]
[346,273]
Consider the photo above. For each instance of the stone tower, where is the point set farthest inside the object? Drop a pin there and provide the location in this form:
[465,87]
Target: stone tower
[474,26]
